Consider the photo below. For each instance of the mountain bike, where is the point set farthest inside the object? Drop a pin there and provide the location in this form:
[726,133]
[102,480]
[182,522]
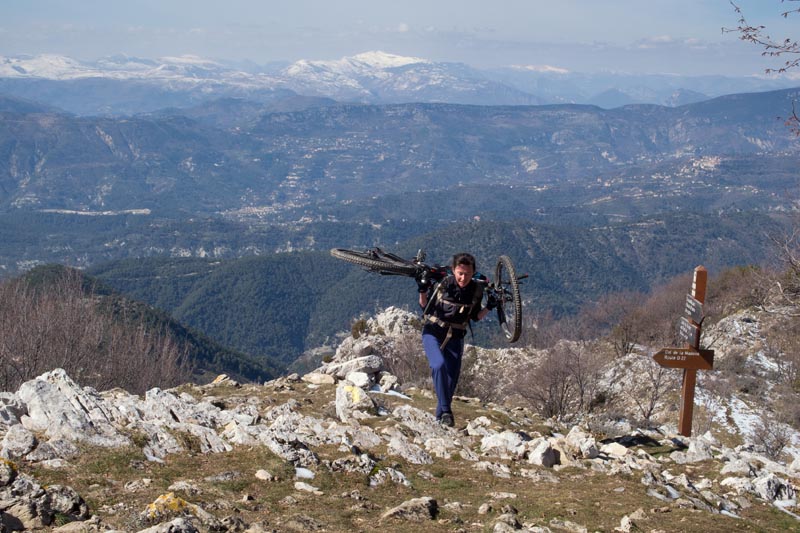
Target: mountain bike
[504,287]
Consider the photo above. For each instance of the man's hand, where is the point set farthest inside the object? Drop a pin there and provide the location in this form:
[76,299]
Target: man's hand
[423,282]
[491,301]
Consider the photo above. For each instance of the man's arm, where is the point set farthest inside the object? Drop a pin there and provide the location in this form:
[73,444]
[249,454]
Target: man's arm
[491,303]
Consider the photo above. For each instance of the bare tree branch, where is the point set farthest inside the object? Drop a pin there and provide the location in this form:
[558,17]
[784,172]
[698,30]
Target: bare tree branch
[771,47]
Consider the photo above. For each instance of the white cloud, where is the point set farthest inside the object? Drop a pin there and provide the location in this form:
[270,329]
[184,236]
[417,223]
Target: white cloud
[541,68]
[403,27]
[662,39]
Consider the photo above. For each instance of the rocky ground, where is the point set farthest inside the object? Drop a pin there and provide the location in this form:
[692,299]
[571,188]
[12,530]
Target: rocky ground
[349,448]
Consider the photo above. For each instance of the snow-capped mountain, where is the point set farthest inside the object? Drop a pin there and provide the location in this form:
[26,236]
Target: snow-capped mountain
[371,77]
[120,67]
[45,66]
[388,78]
[366,64]
[347,77]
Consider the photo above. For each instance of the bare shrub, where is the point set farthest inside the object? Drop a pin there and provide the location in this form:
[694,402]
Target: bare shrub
[548,329]
[787,250]
[607,423]
[407,360]
[734,362]
[549,387]
[59,325]
[736,288]
[785,403]
[716,384]
[652,384]
[140,357]
[627,319]
[660,313]
[783,349]
[482,381]
[358,328]
[743,377]
[772,437]
[778,284]
[702,420]
[617,315]
[564,383]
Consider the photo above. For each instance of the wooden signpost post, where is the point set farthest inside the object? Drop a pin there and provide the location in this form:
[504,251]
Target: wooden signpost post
[689,357]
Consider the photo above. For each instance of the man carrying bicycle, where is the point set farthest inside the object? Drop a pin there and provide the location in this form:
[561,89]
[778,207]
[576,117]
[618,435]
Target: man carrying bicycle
[449,301]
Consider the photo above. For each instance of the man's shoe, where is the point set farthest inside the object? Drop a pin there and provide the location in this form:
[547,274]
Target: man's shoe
[447,420]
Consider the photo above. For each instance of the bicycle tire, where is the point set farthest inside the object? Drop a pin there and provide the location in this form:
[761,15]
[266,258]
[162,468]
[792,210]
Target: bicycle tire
[374,262]
[509,310]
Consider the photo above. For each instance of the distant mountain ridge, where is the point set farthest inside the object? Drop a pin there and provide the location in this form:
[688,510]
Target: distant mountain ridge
[128,85]
[284,160]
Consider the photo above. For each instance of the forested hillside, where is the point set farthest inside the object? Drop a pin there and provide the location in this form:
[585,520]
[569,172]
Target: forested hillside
[277,306]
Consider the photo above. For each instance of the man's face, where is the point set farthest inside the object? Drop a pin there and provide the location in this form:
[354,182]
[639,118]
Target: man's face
[463,275]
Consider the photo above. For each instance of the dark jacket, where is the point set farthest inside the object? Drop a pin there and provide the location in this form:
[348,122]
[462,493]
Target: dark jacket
[454,305]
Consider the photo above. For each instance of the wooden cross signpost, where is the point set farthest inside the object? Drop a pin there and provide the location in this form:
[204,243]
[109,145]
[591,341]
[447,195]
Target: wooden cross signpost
[689,357]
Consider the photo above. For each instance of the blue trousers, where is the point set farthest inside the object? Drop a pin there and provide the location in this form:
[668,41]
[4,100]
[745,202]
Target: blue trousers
[445,367]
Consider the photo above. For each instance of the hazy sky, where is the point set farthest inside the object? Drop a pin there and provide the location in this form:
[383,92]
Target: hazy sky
[680,36]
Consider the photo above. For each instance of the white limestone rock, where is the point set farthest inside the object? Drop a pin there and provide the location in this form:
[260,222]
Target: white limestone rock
[480,427]
[58,407]
[17,443]
[237,433]
[386,475]
[305,487]
[581,443]
[699,450]
[318,378]
[359,379]
[615,450]
[11,410]
[542,453]
[409,451]
[369,364]
[166,408]
[393,322]
[416,510]
[770,488]
[177,525]
[387,382]
[739,466]
[351,400]
[505,445]
[421,423]
[52,450]
[160,441]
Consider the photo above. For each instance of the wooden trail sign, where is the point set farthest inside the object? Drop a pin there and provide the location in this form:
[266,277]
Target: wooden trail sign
[694,309]
[688,332]
[689,357]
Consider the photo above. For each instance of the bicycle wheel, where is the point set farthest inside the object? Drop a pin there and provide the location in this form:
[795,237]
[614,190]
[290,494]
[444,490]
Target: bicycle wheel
[509,311]
[376,261]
